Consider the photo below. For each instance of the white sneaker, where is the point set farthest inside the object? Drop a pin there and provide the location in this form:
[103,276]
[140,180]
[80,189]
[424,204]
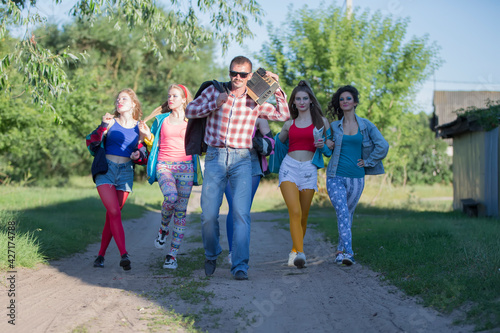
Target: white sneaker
[170,262]
[339,258]
[161,239]
[229,259]
[300,260]
[291,258]
[348,260]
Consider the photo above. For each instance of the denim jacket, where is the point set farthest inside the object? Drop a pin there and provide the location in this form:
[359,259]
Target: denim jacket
[375,147]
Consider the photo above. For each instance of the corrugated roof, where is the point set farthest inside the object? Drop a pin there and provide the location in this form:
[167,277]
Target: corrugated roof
[447,102]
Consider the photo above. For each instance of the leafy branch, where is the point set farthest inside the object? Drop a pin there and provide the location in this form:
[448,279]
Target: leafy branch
[488,118]
[179,26]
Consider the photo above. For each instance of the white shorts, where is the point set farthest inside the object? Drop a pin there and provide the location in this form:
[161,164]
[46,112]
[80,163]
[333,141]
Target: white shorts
[302,174]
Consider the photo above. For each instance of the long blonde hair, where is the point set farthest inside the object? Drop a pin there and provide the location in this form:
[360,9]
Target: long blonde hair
[164,108]
[137,112]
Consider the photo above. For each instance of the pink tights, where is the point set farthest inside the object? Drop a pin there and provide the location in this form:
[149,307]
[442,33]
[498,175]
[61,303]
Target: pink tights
[113,200]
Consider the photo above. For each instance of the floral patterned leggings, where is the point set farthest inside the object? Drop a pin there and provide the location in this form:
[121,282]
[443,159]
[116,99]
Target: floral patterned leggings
[344,194]
[176,181]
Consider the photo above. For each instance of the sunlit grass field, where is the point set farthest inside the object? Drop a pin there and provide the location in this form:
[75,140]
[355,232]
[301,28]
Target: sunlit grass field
[410,235]
[62,220]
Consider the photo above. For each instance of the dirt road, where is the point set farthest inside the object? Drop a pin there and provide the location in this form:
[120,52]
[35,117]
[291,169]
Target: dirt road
[70,295]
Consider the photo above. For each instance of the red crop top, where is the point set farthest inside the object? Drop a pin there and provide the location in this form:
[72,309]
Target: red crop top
[301,138]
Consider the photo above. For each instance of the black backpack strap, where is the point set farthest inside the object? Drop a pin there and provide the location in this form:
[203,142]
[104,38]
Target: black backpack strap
[195,131]
[222,86]
[203,86]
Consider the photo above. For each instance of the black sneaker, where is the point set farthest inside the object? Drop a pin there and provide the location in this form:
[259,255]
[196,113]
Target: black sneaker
[99,262]
[125,262]
[210,266]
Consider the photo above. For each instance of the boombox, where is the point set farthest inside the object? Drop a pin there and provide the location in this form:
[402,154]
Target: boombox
[261,87]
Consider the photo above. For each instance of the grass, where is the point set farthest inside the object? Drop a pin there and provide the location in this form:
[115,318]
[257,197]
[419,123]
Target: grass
[183,285]
[161,318]
[188,289]
[413,237]
[410,235]
[60,221]
[447,259]
[17,248]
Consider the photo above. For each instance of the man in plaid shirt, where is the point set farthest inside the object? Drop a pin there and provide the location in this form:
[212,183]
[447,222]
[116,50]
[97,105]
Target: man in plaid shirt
[230,124]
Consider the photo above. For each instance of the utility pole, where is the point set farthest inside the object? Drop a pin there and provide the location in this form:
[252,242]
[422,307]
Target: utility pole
[348,5]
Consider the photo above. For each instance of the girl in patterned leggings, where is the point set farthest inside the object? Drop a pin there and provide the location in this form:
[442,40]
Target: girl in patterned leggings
[171,167]
[359,148]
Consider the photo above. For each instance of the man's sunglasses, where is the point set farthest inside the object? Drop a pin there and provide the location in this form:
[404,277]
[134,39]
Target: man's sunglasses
[243,75]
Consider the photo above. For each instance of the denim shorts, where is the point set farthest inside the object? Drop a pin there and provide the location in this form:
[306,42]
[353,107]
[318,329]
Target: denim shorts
[121,175]
[302,174]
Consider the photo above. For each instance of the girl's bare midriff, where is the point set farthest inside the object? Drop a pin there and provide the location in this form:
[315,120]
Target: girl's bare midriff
[117,159]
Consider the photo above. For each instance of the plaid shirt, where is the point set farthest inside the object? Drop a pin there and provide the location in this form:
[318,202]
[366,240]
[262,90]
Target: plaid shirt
[232,125]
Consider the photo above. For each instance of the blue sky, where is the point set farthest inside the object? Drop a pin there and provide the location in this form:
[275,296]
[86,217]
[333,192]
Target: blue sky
[468,33]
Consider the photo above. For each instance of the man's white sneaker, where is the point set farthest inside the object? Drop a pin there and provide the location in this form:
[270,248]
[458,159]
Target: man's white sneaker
[291,258]
[229,258]
[300,260]
[161,239]
[170,262]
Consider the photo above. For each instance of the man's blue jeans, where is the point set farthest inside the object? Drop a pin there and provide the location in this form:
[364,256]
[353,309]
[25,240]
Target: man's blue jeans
[223,165]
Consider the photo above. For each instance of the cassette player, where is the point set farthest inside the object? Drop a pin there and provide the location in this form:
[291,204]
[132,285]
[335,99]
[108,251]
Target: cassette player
[261,87]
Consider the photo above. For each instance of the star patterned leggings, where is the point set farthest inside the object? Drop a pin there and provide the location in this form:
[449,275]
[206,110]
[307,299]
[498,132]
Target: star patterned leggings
[344,193]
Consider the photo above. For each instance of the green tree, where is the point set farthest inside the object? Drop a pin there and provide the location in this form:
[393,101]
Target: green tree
[176,27]
[329,49]
[373,53]
[416,156]
[34,147]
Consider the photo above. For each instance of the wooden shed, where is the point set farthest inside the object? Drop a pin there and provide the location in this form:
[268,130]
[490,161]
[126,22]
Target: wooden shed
[475,166]
[446,104]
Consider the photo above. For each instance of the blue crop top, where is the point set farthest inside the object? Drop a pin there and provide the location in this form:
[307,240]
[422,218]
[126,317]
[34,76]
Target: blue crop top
[122,141]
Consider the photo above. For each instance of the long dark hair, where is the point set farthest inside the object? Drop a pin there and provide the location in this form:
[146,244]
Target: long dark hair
[334,105]
[315,108]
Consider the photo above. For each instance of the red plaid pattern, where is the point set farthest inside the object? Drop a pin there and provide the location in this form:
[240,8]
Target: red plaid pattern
[232,125]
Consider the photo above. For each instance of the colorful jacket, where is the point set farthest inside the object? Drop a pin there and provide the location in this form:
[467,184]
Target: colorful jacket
[264,146]
[154,150]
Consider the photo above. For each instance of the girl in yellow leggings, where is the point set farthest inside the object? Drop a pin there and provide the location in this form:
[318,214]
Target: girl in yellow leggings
[305,132]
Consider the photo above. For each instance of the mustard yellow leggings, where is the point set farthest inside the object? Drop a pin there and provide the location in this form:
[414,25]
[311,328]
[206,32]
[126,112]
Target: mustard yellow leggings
[298,203]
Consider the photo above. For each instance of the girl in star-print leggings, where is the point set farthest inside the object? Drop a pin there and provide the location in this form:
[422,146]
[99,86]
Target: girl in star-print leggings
[358,150]
[344,193]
